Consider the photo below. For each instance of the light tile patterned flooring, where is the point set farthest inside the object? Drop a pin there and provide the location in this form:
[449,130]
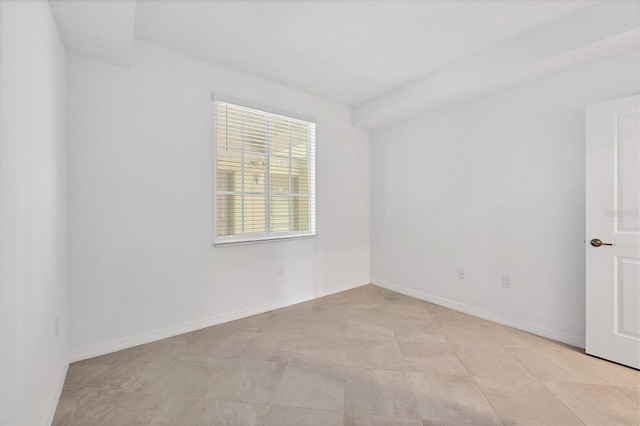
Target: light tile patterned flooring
[367,356]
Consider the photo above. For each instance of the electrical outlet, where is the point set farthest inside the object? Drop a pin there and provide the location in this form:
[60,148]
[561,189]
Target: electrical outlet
[462,274]
[57,325]
[506,281]
[280,270]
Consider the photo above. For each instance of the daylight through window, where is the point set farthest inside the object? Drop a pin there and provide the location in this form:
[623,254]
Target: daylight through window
[265,175]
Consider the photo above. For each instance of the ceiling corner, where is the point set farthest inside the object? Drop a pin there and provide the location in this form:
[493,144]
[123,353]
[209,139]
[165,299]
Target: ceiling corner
[99,29]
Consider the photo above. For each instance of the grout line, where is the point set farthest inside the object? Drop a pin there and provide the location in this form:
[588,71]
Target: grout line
[298,408]
[470,376]
[404,368]
[563,404]
[482,314]
[625,395]
[546,387]
[540,381]
[275,392]
[186,416]
[527,370]
[549,390]
[266,416]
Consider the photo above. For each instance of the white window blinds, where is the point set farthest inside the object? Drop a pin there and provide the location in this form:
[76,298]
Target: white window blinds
[265,175]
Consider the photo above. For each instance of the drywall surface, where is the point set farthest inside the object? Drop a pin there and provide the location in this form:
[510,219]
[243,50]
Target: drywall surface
[142,264]
[497,187]
[33,338]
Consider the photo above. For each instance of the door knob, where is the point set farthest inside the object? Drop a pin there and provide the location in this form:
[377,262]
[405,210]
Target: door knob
[598,243]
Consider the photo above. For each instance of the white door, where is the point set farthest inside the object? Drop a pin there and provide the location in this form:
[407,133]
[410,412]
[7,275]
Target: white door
[613,231]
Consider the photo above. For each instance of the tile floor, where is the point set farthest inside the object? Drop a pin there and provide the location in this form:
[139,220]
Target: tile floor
[367,356]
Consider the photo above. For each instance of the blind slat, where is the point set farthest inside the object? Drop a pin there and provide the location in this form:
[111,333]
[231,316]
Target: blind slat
[265,174]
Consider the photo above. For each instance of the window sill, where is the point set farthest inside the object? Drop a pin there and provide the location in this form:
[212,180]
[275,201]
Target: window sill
[270,239]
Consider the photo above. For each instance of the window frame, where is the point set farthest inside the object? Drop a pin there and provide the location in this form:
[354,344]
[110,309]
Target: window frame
[227,240]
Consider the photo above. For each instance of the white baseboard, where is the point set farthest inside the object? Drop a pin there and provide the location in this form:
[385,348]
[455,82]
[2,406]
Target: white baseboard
[187,327]
[488,315]
[55,396]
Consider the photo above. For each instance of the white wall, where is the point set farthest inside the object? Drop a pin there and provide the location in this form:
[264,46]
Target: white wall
[495,186]
[142,264]
[33,360]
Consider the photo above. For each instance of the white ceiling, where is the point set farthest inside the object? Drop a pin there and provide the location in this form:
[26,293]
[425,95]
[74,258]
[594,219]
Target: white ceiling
[347,51]
[96,28]
[601,31]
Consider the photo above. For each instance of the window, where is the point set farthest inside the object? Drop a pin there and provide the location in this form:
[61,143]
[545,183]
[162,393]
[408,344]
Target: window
[265,175]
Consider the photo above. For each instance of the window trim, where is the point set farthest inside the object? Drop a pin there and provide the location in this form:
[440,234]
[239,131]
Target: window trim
[242,239]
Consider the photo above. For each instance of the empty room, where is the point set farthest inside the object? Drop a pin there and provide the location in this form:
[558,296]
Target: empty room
[319,212]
